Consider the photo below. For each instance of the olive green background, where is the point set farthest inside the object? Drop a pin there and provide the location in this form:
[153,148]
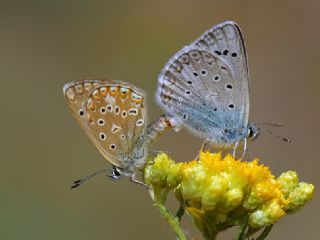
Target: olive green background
[44,44]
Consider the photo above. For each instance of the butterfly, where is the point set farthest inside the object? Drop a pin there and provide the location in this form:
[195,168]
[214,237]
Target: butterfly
[113,115]
[205,87]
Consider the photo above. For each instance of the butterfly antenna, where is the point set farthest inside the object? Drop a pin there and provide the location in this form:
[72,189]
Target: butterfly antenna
[80,181]
[272,124]
[277,136]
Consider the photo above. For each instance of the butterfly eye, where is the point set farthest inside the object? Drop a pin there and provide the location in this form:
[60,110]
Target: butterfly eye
[250,132]
[116,172]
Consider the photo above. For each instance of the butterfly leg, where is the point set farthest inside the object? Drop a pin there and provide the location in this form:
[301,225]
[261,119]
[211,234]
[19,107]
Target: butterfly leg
[244,148]
[135,180]
[234,149]
[206,145]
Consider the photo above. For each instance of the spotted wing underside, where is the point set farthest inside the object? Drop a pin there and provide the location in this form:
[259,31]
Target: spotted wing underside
[116,121]
[205,85]
[76,93]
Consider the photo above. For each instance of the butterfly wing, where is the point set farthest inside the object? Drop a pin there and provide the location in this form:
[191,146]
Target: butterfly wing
[115,116]
[226,40]
[201,86]
[76,93]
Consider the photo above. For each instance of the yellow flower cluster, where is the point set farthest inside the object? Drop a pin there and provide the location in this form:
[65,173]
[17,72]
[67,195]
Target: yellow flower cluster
[223,191]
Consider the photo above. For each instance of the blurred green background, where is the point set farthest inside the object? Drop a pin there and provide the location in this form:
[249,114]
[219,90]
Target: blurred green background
[44,44]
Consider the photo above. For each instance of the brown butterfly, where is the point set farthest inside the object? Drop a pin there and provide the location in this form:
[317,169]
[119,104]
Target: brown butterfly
[113,115]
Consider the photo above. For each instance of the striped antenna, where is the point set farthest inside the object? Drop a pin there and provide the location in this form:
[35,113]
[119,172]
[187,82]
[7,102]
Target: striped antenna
[80,181]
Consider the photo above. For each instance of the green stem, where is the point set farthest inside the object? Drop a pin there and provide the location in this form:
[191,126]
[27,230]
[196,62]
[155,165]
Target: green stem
[173,221]
[251,231]
[212,231]
[265,233]
[159,196]
[243,227]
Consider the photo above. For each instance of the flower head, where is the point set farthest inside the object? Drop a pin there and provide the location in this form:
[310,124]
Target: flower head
[220,192]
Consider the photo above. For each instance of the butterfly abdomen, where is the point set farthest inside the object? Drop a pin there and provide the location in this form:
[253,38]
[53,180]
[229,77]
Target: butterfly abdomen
[155,129]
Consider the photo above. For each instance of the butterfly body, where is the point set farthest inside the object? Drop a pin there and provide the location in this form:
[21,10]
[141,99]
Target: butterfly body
[205,86]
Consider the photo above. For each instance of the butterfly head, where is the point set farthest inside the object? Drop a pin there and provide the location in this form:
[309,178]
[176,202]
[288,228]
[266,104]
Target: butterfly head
[116,173]
[253,131]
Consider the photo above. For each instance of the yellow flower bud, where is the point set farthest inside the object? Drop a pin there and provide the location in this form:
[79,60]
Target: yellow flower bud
[156,174]
[288,181]
[174,175]
[212,193]
[233,199]
[302,194]
[266,215]
[193,182]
